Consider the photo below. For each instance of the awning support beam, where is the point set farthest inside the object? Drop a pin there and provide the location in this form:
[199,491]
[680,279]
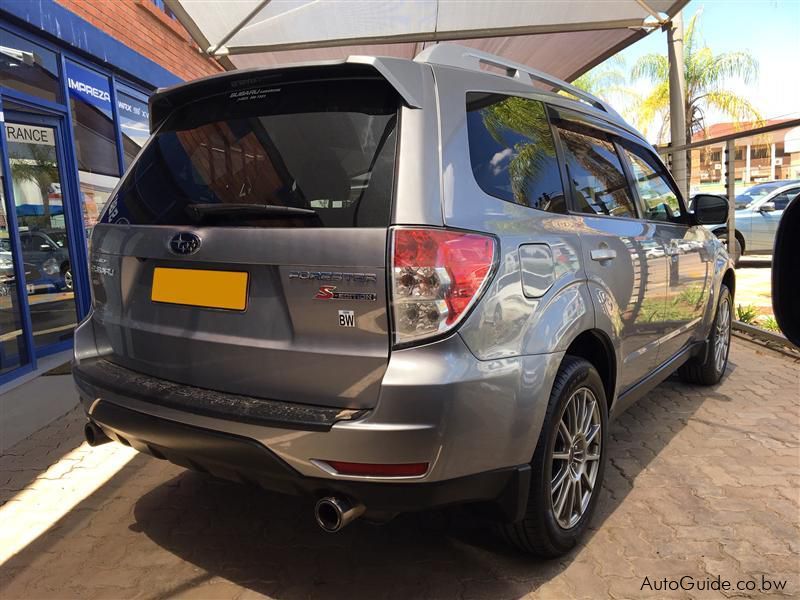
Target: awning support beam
[239,26]
[436,36]
[648,8]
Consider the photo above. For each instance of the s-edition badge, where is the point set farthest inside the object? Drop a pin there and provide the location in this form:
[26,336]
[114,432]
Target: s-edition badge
[184,243]
[328,292]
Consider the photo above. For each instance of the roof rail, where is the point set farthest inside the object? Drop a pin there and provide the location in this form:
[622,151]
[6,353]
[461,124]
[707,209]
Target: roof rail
[453,55]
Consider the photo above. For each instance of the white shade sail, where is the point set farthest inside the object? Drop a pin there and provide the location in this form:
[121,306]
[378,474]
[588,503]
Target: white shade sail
[562,37]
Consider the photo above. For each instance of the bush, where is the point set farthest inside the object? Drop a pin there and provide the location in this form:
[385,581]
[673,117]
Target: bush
[770,323]
[746,314]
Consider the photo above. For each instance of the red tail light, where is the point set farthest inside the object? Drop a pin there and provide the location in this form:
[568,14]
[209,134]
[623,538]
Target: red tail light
[437,275]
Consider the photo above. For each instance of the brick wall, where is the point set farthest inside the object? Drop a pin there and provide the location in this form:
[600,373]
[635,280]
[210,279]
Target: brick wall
[143,27]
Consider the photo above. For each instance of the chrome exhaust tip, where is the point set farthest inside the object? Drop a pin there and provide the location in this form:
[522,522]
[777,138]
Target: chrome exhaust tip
[94,435]
[333,514]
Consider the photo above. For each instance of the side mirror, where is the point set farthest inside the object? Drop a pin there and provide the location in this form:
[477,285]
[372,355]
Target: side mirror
[710,209]
[767,207]
[46,247]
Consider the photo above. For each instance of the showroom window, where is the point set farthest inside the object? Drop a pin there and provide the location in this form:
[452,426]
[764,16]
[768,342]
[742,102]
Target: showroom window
[95,138]
[12,339]
[27,67]
[134,122]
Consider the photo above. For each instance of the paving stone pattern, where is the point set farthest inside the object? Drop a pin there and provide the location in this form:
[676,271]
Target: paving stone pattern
[702,482]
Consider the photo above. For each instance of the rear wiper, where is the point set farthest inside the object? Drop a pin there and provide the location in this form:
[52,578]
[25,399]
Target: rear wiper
[224,208]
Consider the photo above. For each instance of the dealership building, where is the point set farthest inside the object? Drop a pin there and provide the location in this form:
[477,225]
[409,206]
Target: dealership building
[75,76]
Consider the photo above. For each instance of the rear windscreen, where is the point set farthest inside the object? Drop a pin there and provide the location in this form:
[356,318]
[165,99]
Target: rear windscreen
[305,154]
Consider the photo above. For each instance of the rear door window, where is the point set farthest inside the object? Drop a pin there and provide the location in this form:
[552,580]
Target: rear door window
[595,173]
[512,151]
[306,154]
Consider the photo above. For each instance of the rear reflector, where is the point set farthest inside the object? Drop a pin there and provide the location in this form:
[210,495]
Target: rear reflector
[378,470]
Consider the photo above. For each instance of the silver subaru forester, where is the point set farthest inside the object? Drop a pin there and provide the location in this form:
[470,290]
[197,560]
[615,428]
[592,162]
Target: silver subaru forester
[394,285]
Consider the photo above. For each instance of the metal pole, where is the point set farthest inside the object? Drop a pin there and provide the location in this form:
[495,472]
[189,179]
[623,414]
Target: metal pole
[677,101]
[730,175]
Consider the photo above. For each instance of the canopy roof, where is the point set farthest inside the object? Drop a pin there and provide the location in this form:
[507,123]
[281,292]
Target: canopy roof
[564,38]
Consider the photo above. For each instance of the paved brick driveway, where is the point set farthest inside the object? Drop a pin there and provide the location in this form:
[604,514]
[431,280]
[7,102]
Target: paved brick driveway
[702,482]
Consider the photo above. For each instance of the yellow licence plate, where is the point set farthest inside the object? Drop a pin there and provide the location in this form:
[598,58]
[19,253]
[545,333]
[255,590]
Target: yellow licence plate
[196,287]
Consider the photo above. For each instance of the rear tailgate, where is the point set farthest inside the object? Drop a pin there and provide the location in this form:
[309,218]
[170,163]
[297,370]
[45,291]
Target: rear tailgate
[245,250]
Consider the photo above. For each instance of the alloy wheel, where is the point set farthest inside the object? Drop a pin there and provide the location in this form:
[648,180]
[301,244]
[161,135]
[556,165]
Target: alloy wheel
[576,457]
[722,334]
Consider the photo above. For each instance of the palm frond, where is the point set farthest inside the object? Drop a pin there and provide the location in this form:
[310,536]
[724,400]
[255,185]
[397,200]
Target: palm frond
[741,65]
[652,106]
[735,106]
[654,67]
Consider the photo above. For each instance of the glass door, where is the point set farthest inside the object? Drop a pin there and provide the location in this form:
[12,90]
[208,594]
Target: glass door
[36,175]
[13,352]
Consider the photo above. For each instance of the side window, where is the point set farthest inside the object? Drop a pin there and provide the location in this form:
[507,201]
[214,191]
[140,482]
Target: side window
[39,242]
[29,242]
[512,151]
[782,200]
[595,173]
[659,200]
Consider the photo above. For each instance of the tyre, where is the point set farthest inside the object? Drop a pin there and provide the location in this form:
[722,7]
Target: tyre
[709,369]
[68,283]
[567,466]
[737,248]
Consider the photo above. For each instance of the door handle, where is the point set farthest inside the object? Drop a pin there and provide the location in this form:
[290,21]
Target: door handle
[603,254]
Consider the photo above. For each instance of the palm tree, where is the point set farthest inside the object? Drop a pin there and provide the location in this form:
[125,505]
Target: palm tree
[41,169]
[706,75]
[518,116]
[609,82]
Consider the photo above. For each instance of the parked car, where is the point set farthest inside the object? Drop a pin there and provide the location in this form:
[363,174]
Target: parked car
[306,277]
[761,190]
[758,211]
[47,250]
[7,278]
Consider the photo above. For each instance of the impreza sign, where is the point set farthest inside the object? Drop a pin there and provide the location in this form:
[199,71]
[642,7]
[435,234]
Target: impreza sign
[93,88]
[89,86]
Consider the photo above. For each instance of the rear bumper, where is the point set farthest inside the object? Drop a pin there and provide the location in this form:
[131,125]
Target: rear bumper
[248,461]
[469,420]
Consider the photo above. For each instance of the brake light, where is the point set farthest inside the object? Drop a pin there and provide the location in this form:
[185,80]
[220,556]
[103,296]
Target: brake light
[437,275]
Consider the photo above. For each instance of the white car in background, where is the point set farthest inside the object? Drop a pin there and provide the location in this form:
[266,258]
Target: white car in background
[758,211]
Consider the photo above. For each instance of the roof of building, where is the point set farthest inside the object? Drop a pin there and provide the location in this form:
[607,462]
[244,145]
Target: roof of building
[720,129]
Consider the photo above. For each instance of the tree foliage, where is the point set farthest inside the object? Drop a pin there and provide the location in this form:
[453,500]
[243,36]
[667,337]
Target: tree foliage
[706,76]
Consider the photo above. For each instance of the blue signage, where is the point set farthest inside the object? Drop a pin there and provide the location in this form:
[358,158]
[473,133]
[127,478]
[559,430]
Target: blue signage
[132,108]
[89,86]
[93,88]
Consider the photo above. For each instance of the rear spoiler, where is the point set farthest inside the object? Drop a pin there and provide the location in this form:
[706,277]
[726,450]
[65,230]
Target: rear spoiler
[406,76]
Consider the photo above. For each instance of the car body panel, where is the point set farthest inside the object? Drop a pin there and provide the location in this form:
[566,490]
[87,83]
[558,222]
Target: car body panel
[467,402]
[284,325]
[440,415]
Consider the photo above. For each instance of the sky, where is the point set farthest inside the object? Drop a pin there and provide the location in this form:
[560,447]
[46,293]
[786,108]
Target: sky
[768,29]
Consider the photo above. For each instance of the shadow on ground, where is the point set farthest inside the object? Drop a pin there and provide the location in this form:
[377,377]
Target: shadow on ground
[270,544]
[205,529]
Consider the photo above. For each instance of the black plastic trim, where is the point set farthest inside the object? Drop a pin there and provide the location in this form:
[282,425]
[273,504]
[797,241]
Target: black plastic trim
[629,397]
[245,460]
[99,377]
